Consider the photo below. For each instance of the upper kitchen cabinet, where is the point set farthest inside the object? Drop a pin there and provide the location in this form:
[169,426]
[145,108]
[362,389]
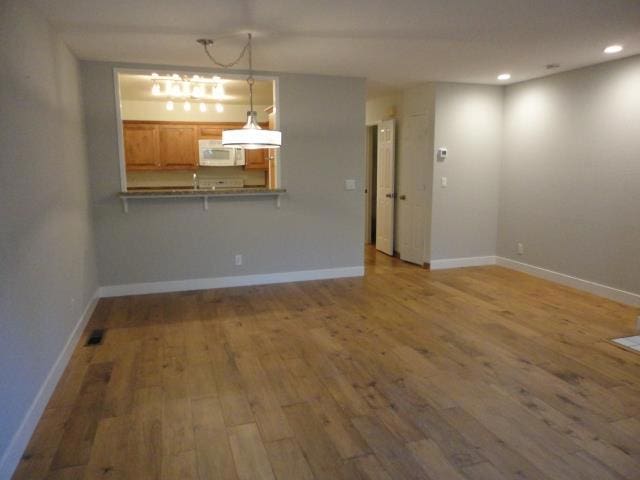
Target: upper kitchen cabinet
[178,147]
[256,159]
[160,146]
[209,131]
[141,148]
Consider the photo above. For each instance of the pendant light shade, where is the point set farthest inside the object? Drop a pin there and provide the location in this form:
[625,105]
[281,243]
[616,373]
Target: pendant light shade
[252,136]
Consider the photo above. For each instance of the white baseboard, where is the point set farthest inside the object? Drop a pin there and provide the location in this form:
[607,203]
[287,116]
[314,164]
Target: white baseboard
[232,281]
[622,296]
[462,262]
[15,450]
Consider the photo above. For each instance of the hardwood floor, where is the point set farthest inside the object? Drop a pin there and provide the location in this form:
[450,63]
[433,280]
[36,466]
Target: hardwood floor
[476,373]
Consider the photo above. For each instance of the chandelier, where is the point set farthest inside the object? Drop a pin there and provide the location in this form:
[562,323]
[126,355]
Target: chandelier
[184,88]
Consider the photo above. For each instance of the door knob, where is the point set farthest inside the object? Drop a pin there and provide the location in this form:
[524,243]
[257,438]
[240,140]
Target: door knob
[402,197]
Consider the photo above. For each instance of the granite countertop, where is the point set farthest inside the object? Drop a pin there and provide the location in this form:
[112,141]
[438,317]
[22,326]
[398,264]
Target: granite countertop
[200,192]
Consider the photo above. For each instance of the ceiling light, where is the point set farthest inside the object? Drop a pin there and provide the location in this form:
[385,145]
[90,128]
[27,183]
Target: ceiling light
[169,105]
[187,106]
[154,75]
[218,91]
[203,107]
[176,90]
[613,49]
[155,90]
[219,108]
[250,136]
[216,78]
[198,91]
[504,76]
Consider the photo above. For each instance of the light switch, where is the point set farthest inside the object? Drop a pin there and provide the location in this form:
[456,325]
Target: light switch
[350,184]
[444,182]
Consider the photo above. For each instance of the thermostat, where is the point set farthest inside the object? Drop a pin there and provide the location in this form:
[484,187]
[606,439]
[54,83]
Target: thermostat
[442,154]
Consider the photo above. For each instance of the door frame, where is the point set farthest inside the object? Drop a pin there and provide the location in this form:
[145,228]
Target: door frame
[370,157]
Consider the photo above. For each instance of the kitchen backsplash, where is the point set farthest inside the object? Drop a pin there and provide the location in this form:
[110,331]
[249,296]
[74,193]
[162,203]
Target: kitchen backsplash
[185,178]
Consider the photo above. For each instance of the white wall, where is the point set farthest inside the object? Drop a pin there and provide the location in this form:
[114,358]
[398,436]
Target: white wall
[47,266]
[156,110]
[383,108]
[318,227]
[468,121]
[571,175]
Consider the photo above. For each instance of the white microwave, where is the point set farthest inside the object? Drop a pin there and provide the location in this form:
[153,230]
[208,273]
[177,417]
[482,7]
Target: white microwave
[213,154]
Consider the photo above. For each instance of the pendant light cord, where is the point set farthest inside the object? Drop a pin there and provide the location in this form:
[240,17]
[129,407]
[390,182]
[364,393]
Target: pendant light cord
[208,43]
[250,79]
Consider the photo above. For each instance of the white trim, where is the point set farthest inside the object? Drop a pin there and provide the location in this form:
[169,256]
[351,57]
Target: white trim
[232,281]
[611,293]
[462,262]
[18,444]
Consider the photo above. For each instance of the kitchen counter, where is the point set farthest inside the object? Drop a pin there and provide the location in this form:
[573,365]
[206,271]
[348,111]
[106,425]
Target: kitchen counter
[203,193]
[199,192]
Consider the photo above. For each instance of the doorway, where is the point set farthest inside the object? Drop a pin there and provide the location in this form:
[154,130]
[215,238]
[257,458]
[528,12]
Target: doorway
[371,190]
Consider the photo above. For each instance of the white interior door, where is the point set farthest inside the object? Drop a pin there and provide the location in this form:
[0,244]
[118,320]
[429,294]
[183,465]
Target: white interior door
[385,203]
[412,188]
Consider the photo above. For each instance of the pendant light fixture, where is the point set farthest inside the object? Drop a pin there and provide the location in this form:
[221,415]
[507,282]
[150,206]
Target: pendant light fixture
[251,135]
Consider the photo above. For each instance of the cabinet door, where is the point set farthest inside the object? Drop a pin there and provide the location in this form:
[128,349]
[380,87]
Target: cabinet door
[141,147]
[256,159]
[208,131]
[178,147]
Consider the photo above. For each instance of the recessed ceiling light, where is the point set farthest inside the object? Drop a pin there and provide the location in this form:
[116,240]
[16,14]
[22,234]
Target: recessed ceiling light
[613,49]
[504,76]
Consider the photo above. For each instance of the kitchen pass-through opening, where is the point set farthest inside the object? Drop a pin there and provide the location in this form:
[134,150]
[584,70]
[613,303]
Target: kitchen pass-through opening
[171,125]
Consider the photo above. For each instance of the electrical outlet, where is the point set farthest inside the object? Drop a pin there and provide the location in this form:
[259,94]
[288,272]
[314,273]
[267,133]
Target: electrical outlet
[444,182]
[238,260]
[520,249]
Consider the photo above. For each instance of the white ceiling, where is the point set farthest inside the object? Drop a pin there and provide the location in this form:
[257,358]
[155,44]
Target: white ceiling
[138,87]
[391,43]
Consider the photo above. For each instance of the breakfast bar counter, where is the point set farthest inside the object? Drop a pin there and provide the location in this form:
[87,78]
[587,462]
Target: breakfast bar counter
[203,193]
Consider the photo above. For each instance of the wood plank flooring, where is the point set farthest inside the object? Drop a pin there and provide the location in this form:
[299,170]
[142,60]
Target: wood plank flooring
[475,373]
